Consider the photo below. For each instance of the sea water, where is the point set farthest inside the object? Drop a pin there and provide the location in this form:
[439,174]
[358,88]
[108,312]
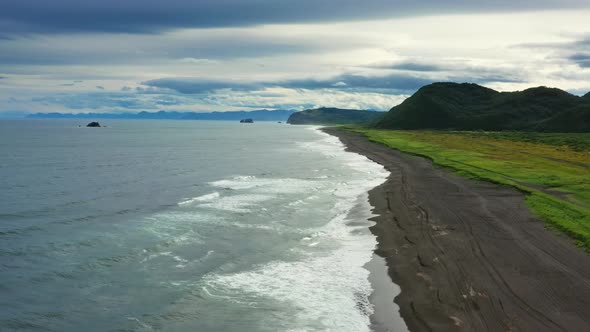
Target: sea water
[182,226]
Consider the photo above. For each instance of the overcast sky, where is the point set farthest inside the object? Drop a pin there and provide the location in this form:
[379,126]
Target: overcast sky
[186,55]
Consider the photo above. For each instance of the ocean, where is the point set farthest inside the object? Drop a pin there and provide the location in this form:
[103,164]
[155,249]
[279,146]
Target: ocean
[183,226]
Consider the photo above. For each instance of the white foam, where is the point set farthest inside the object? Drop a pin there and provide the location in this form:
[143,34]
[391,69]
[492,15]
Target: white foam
[297,202]
[207,255]
[332,146]
[255,226]
[194,218]
[152,256]
[181,261]
[203,198]
[329,289]
[268,185]
[237,203]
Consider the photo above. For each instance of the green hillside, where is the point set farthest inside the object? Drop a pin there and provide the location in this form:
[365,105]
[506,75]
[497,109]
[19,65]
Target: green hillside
[473,107]
[327,115]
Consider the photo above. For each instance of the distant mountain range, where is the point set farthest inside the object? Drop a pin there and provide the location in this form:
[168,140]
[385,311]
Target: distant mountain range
[436,106]
[325,115]
[259,115]
[473,107]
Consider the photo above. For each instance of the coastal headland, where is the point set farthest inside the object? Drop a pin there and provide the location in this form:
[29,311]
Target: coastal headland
[469,255]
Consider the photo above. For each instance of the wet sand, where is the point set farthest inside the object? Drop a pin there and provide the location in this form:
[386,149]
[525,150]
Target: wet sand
[469,255]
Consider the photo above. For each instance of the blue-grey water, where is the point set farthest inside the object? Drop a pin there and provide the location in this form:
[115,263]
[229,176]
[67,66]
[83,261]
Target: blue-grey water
[182,226]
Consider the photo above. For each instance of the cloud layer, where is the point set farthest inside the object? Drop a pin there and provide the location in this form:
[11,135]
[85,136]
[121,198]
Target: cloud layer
[75,56]
[150,16]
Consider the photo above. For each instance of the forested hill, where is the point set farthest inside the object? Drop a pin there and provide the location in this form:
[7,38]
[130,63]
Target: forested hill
[474,107]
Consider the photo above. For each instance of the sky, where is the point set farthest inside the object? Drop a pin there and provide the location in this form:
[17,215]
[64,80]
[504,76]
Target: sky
[77,56]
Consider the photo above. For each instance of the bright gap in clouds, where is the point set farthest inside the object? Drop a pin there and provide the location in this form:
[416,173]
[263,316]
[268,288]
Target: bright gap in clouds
[372,64]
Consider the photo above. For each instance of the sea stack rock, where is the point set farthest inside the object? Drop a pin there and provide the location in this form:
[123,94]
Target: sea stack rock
[246,121]
[93,124]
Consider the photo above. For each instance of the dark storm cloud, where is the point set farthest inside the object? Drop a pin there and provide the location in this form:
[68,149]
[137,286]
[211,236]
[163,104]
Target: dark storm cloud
[118,49]
[582,59]
[95,101]
[410,66]
[348,81]
[71,84]
[585,42]
[341,82]
[195,85]
[392,83]
[456,71]
[141,16]
[582,43]
[577,51]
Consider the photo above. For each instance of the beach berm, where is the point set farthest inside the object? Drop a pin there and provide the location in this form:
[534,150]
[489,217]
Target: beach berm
[471,255]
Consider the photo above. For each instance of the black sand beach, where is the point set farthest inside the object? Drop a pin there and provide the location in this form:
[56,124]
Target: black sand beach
[468,255]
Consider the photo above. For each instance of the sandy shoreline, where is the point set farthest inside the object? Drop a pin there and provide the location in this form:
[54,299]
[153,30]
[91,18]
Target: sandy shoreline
[468,255]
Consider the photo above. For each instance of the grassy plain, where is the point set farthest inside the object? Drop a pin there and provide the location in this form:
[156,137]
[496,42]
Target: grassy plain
[552,169]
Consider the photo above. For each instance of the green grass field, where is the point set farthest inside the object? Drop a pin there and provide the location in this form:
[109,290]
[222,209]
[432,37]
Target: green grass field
[552,169]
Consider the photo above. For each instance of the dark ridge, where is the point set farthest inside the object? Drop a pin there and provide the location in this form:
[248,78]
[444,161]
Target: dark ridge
[258,115]
[327,115]
[474,107]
